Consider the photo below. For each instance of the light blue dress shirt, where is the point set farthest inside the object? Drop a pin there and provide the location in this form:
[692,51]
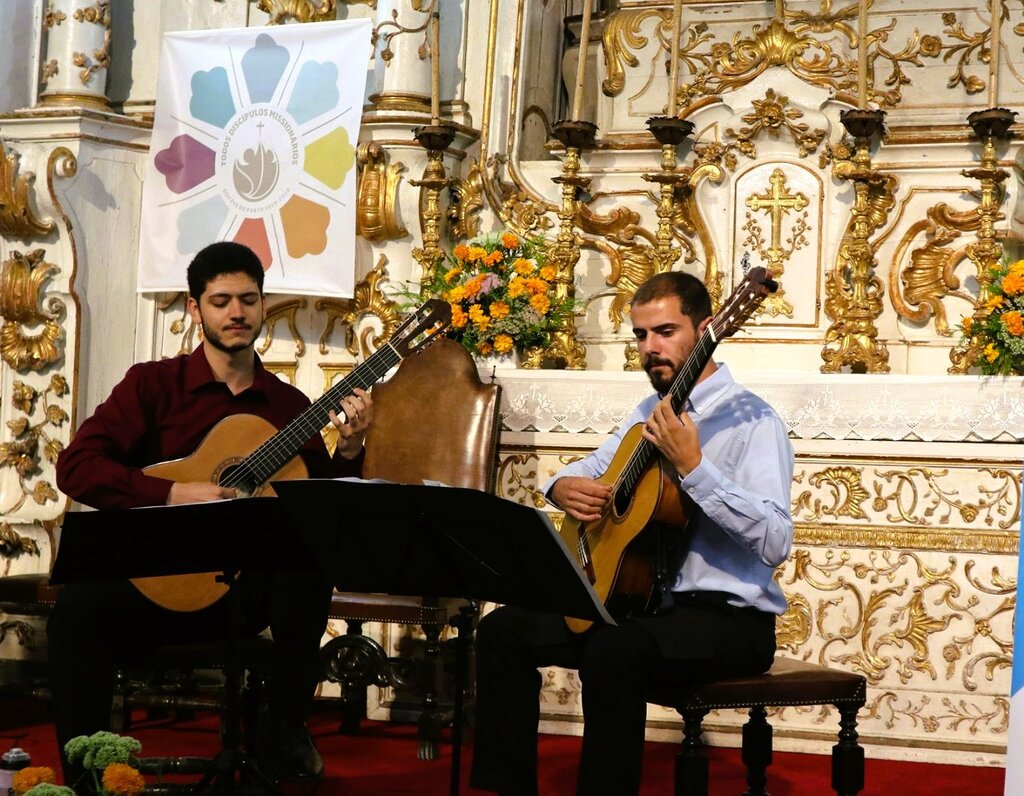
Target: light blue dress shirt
[740,528]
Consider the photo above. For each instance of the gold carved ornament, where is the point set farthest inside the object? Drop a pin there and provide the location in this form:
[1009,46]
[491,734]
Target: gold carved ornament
[284,309]
[389,29]
[299,10]
[369,300]
[377,194]
[518,481]
[17,219]
[21,280]
[98,14]
[465,201]
[777,202]
[771,116]
[22,453]
[916,291]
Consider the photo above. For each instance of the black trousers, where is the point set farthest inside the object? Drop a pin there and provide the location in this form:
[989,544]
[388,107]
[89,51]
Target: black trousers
[700,638]
[97,626]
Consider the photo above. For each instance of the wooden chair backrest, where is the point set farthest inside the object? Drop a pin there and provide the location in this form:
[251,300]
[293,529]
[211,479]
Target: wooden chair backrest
[436,420]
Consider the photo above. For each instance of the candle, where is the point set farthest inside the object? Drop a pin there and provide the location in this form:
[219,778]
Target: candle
[581,63]
[993,57]
[673,82]
[435,69]
[862,55]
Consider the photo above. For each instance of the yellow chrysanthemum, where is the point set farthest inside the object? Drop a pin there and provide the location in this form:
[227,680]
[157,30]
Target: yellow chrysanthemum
[499,309]
[994,302]
[548,273]
[459,318]
[123,780]
[1017,268]
[476,312]
[28,778]
[475,253]
[493,258]
[452,275]
[541,303]
[502,343]
[965,324]
[456,294]
[1013,322]
[523,266]
[509,240]
[990,353]
[1013,284]
[516,287]
[537,286]
[484,347]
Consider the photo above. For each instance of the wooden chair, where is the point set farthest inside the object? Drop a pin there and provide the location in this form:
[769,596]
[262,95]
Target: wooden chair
[433,420]
[788,683]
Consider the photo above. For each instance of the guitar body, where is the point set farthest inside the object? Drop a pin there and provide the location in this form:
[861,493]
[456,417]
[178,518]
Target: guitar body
[614,552]
[228,442]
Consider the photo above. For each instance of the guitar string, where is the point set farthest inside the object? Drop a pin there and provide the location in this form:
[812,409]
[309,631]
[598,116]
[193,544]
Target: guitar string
[274,453]
[640,457]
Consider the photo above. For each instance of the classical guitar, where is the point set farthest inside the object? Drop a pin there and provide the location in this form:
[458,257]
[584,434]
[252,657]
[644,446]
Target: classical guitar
[246,452]
[617,552]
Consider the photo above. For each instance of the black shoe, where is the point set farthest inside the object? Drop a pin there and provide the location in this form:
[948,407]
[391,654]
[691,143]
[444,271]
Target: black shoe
[287,753]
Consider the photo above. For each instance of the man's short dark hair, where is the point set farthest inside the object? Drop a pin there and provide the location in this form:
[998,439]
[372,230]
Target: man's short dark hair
[694,301]
[223,257]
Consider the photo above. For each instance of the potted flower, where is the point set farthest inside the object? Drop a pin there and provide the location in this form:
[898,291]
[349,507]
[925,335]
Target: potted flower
[502,293]
[1002,330]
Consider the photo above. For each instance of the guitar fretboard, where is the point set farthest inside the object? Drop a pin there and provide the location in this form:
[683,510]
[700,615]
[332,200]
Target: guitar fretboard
[680,390]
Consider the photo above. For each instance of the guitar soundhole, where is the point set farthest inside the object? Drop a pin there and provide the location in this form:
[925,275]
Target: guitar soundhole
[239,479]
[620,502]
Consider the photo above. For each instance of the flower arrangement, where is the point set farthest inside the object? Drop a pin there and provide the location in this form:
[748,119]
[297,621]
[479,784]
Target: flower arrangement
[1002,331]
[501,290]
[105,756]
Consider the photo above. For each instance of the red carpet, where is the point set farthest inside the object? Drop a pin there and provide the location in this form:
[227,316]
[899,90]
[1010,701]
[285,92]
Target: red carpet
[382,761]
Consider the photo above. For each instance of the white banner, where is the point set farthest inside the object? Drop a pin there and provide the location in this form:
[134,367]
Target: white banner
[254,141]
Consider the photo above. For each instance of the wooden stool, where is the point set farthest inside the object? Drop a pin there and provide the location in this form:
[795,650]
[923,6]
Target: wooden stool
[788,683]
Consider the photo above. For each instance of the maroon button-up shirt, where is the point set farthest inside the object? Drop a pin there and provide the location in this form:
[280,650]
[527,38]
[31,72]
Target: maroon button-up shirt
[161,411]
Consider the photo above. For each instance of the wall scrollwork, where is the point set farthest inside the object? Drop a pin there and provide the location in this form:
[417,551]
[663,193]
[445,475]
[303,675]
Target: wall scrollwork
[21,280]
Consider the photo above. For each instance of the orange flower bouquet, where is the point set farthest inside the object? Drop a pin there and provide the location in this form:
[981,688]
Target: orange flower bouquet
[1002,331]
[501,290]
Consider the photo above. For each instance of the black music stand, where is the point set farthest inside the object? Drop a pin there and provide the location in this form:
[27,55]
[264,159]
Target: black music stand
[224,536]
[442,542]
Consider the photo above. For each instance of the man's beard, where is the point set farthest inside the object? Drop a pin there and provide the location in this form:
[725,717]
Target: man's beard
[660,382]
[215,339]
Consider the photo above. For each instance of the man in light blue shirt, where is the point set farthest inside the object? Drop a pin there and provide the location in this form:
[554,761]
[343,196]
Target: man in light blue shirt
[716,614]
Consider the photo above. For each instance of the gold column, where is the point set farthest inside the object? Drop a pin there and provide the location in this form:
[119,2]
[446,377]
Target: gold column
[435,138]
[989,126]
[564,350]
[854,292]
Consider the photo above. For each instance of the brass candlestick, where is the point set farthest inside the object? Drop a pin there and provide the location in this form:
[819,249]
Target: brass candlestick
[564,350]
[854,292]
[435,138]
[670,132]
[990,126]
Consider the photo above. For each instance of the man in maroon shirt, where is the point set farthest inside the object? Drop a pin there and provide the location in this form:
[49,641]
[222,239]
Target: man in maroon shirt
[162,411]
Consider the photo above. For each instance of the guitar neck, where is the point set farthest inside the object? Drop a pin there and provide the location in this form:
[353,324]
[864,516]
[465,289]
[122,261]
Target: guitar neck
[680,390]
[277,451]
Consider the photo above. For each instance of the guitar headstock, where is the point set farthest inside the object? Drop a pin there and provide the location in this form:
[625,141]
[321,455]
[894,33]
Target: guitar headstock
[747,297]
[423,326]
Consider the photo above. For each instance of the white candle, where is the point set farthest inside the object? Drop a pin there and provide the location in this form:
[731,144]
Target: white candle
[993,58]
[435,69]
[581,63]
[862,55]
[673,68]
